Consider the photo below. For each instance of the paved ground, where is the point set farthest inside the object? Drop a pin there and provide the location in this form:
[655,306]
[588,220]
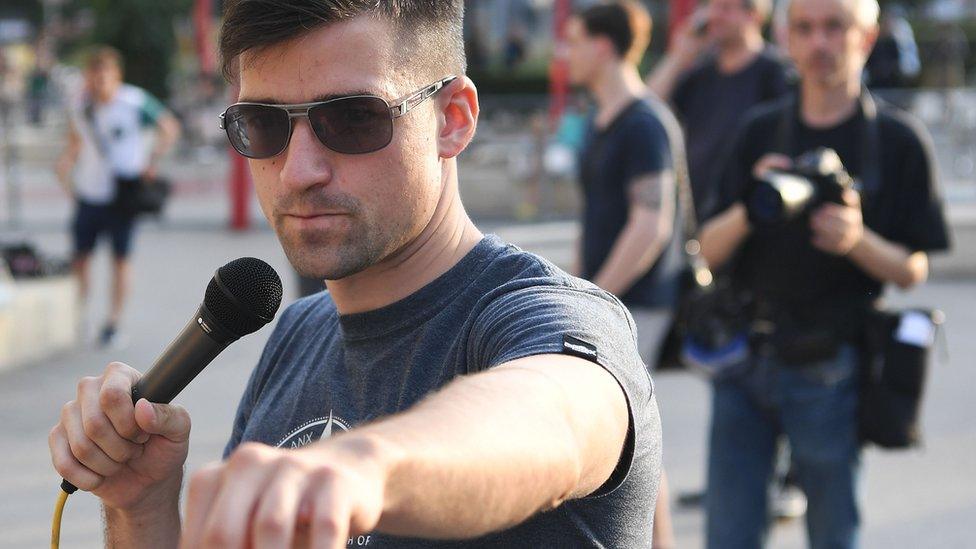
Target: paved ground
[921,499]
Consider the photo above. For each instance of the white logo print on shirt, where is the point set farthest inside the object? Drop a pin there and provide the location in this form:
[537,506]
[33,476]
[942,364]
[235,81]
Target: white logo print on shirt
[313,430]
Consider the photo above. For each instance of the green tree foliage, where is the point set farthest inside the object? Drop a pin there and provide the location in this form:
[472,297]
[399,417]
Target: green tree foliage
[143,31]
[29,9]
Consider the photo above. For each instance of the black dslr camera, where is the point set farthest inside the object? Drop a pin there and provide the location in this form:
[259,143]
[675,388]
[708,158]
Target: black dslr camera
[817,177]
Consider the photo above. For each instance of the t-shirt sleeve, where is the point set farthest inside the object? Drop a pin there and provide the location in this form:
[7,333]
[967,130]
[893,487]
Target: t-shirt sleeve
[150,110]
[647,147]
[587,323]
[922,225]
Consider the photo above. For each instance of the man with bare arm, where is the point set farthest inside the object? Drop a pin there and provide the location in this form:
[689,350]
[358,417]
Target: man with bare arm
[448,390]
[716,70]
[629,244]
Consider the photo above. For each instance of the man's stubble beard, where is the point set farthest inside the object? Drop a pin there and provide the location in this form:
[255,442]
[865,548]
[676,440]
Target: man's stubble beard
[329,258]
[338,256]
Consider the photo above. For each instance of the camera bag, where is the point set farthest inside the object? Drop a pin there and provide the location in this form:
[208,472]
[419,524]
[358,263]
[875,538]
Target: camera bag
[896,355]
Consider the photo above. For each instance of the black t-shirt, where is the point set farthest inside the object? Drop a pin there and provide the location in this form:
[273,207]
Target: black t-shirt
[883,67]
[634,145]
[711,105]
[781,267]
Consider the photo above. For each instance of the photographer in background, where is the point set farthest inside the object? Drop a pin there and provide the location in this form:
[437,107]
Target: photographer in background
[810,253]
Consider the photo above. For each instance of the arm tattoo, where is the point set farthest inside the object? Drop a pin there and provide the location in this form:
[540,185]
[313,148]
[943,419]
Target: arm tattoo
[648,191]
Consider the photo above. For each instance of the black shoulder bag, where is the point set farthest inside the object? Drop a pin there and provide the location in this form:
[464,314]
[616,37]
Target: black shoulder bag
[133,196]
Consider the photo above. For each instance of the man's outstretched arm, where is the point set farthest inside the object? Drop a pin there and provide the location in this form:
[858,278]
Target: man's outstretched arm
[483,454]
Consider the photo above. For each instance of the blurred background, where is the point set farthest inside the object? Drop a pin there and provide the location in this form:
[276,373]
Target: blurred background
[517,178]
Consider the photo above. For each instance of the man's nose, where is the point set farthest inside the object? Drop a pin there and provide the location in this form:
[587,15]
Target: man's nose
[820,39]
[307,160]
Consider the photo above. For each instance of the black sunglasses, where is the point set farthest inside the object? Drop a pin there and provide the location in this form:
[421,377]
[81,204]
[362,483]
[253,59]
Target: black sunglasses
[357,124]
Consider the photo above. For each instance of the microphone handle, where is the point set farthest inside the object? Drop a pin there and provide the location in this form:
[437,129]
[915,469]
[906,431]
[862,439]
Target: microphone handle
[188,354]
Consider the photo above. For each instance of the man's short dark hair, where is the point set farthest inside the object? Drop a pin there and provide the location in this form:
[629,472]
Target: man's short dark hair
[431,30]
[103,56]
[625,23]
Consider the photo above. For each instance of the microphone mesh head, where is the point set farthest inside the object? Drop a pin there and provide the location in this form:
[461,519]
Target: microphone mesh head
[244,295]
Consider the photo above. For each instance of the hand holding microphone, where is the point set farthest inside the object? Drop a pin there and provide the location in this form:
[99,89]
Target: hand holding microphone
[130,452]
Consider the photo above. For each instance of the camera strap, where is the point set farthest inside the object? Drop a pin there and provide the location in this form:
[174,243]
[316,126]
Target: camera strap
[101,144]
[869,172]
[690,246]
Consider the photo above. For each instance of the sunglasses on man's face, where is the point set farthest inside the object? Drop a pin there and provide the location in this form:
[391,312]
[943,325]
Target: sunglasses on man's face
[355,124]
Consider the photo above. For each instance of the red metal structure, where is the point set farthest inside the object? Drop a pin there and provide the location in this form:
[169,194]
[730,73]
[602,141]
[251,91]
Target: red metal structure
[238,179]
[558,69]
[203,34]
[240,193]
[239,183]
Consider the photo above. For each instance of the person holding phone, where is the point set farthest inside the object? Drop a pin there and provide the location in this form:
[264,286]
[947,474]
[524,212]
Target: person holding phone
[717,69]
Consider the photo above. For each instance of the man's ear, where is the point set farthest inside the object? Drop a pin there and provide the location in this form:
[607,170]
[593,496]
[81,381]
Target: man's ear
[457,117]
[870,38]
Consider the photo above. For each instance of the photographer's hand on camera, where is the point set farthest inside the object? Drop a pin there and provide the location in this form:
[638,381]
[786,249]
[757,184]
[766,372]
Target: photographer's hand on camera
[724,233]
[130,456]
[838,228]
[772,161]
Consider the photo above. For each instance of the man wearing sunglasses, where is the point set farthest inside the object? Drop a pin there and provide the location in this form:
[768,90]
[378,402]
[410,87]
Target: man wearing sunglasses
[448,390]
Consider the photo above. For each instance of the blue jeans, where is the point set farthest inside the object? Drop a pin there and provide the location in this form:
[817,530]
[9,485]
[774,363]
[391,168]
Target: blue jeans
[815,406]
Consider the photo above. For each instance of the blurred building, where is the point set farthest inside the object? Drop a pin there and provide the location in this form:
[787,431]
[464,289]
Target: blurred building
[500,31]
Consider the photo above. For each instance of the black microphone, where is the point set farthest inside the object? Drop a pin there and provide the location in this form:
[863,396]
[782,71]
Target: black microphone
[242,297]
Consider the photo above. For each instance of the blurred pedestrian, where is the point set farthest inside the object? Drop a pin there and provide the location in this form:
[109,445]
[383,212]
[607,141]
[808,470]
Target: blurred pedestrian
[515,47]
[628,245]
[7,93]
[38,83]
[808,274]
[718,68]
[105,156]
[949,55]
[894,61]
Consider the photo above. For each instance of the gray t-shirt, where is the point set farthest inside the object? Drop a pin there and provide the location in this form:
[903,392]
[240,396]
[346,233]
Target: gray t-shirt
[322,373]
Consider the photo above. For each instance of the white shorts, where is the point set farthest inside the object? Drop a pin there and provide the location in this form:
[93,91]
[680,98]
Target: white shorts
[652,327]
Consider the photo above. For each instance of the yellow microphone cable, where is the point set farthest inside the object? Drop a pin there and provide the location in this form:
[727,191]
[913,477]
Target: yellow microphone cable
[66,490]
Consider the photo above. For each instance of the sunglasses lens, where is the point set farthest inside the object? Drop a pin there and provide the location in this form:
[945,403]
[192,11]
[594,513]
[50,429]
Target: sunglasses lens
[353,125]
[257,131]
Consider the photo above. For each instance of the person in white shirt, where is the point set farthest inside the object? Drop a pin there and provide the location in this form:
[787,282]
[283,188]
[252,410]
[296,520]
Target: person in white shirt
[106,154]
